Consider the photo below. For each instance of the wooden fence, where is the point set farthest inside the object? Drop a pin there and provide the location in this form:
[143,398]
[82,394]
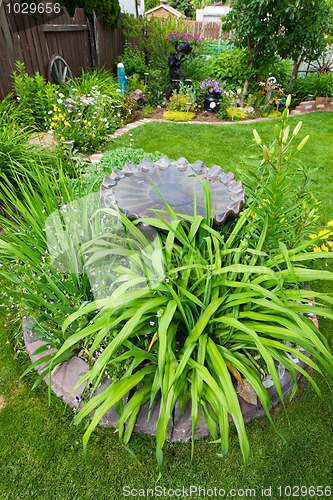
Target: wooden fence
[207,29]
[82,43]
[33,40]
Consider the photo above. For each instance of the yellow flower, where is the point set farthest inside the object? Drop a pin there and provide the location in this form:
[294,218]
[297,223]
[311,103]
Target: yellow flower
[89,123]
[330,243]
[324,233]
[324,248]
[53,124]
[67,124]
[253,215]
[330,223]
[65,152]
[85,121]
[93,135]
[317,249]
[62,138]
[312,236]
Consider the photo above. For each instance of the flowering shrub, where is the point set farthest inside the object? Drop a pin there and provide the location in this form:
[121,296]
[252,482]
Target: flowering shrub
[177,102]
[82,118]
[212,86]
[176,37]
[270,91]
[239,113]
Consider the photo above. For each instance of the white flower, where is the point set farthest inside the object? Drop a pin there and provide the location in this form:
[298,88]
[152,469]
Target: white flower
[212,105]
[59,101]
[239,91]
[49,112]
[61,95]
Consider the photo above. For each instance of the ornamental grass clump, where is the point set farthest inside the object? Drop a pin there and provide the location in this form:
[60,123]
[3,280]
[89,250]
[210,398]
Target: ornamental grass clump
[186,311]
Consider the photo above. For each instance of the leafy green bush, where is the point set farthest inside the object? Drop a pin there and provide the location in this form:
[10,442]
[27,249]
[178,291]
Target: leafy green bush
[178,116]
[177,102]
[35,96]
[128,111]
[232,67]
[316,84]
[146,110]
[134,83]
[158,87]
[134,60]
[101,80]
[152,37]
[91,178]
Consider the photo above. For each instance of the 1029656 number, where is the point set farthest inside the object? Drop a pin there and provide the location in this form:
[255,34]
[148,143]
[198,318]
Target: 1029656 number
[304,491]
[32,8]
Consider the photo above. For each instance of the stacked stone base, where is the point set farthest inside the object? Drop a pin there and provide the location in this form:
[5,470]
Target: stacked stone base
[69,373]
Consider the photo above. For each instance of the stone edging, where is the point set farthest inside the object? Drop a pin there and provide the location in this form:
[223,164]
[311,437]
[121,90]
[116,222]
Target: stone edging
[68,374]
[319,104]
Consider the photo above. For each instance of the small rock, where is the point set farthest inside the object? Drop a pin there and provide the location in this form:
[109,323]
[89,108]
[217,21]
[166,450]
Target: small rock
[139,97]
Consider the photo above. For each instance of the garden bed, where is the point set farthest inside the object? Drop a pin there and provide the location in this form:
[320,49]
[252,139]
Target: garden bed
[68,374]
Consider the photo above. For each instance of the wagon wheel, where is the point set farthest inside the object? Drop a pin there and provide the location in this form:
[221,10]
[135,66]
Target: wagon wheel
[58,70]
[322,65]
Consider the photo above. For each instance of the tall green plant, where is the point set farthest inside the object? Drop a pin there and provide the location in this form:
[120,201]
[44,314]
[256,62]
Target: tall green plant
[17,156]
[151,35]
[279,188]
[35,96]
[40,287]
[217,306]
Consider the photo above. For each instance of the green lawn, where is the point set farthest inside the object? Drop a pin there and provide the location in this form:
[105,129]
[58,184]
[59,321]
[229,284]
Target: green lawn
[225,144]
[41,452]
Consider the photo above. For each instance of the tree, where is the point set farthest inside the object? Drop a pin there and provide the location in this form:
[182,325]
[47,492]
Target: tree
[183,6]
[150,4]
[200,4]
[290,28]
[107,11]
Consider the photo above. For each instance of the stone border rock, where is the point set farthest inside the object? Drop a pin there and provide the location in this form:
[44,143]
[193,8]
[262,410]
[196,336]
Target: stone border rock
[68,374]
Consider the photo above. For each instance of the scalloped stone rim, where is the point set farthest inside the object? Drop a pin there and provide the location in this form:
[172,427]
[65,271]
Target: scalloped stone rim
[229,193]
